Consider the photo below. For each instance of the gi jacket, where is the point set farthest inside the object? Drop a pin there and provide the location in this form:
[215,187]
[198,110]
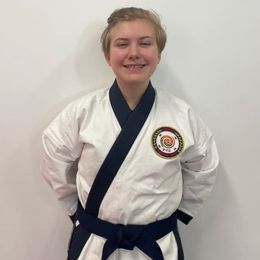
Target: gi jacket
[170,166]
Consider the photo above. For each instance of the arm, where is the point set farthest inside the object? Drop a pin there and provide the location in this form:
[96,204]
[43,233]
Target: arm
[62,148]
[199,165]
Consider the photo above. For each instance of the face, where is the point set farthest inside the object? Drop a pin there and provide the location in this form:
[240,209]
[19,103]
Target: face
[133,53]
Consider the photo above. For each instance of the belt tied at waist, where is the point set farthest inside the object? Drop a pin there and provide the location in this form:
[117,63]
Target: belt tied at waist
[128,236]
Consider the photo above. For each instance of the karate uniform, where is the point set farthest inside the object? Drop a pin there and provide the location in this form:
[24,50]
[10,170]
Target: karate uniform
[170,167]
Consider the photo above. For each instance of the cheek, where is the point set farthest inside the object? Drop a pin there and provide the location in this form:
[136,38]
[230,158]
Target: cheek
[153,56]
[154,60]
[117,56]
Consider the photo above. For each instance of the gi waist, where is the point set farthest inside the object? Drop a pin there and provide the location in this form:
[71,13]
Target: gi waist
[128,236]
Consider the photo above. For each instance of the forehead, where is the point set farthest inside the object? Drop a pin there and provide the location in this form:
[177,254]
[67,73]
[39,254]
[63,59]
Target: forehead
[132,29]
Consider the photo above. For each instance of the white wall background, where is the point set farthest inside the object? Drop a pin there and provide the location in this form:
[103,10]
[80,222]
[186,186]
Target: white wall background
[50,54]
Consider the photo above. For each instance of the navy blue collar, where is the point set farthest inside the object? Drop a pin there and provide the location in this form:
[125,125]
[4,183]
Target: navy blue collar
[120,106]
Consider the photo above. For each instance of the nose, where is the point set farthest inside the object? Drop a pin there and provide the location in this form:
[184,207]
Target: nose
[133,52]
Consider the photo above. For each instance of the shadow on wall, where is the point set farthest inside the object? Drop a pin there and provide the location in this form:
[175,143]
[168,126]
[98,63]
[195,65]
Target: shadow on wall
[79,73]
[90,63]
[166,77]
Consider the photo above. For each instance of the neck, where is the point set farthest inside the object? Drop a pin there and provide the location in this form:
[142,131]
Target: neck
[133,93]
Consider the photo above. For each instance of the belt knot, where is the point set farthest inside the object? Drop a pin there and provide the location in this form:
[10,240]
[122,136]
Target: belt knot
[127,236]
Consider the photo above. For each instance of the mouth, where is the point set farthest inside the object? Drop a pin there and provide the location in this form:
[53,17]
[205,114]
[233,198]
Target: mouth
[134,66]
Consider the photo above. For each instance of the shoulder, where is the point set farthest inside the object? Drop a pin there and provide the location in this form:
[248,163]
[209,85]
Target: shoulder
[90,99]
[177,107]
[75,111]
[81,106]
[168,99]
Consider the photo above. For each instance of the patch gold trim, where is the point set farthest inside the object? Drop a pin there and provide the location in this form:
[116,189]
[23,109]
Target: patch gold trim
[167,142]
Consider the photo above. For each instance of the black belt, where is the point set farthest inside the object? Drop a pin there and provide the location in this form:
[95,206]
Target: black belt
[128,236]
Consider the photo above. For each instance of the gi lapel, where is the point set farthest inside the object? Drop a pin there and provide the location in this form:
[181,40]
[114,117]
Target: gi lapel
[131,123]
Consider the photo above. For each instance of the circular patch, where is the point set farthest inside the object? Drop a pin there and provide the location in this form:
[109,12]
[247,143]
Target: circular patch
[167,142]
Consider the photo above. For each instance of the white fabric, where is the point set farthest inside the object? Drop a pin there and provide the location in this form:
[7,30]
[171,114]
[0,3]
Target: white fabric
[147,187]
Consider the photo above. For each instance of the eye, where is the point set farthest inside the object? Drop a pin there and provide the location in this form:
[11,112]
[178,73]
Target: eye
[121,44]
[146,44]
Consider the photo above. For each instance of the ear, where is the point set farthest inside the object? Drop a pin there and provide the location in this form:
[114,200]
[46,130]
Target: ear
[107,57]
[159,58]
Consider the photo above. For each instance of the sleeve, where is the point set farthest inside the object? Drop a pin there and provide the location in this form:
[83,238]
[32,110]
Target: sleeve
[61,149]
[199,165]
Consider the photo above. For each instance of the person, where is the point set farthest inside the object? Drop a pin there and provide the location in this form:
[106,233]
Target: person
[144,158]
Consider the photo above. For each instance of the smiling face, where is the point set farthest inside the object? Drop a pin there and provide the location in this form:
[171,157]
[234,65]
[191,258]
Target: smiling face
[133,53]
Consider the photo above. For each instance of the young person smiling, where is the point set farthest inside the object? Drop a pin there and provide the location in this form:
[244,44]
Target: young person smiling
[145,158]
[133,56]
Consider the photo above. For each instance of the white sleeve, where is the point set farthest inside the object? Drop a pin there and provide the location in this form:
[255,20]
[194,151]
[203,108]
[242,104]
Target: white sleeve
[199,165]
[62,148]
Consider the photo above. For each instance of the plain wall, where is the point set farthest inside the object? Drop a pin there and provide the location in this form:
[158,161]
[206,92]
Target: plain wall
[50,54]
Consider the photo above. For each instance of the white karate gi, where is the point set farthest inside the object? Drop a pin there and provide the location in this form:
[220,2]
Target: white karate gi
[147,187]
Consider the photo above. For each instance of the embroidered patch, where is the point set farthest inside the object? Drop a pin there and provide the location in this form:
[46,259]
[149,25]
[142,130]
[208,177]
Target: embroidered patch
[167,142]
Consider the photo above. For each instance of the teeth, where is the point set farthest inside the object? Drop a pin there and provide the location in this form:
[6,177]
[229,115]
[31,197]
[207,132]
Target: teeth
[138,66]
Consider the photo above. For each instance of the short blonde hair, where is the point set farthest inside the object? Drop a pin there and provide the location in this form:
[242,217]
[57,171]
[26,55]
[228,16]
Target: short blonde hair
[131,14]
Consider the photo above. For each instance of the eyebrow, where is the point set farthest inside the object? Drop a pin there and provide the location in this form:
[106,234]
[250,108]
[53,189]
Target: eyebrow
[126,39]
